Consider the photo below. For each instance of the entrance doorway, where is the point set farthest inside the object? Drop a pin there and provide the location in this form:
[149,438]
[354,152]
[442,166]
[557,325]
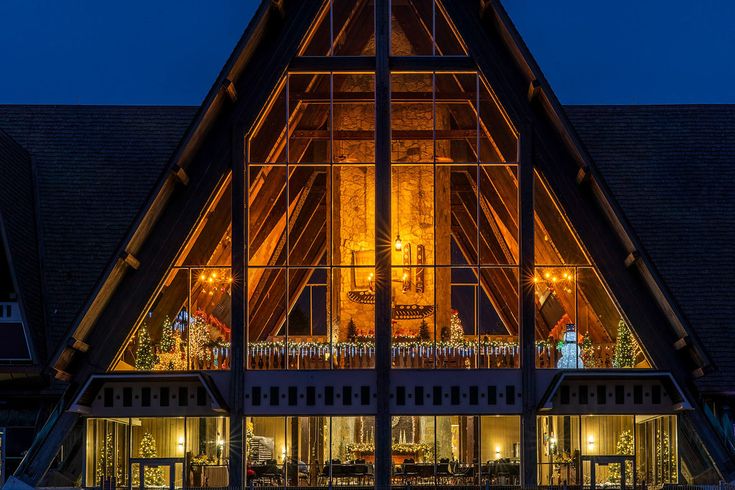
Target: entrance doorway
[157,473]
[608,471]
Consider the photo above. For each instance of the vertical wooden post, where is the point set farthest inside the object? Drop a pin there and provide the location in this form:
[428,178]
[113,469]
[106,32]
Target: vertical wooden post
[237,339]
[383,244]
[527,307]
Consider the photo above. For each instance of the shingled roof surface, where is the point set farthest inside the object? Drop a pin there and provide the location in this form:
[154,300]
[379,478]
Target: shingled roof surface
[18,219]
[672,171]
[95,167]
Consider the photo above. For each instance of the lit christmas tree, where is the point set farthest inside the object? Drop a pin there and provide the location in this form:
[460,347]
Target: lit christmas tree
[424,334]
[174,360]
[456,329]
[625,447]
[145,357]
[624,356]
[168,339]
[351,331]
[199,341]
[153,476]
[588,352]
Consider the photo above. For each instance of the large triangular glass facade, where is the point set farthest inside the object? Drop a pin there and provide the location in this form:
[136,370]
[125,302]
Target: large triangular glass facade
[311,225]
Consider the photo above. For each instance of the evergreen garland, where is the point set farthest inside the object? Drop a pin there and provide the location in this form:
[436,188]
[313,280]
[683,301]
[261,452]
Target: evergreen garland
[624,356]
[145,356]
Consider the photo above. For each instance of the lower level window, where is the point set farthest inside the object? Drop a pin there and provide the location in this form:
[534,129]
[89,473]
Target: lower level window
[310,451]
[158,452]
[576,449]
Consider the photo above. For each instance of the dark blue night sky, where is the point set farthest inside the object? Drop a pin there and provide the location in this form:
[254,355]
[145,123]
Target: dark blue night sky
[170,51]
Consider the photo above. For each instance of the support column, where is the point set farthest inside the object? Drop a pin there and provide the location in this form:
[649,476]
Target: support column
[383,244]
[527,308]
[237,338]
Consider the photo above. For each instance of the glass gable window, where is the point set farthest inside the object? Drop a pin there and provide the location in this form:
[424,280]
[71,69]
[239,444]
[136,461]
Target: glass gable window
[186,325]
[578,323]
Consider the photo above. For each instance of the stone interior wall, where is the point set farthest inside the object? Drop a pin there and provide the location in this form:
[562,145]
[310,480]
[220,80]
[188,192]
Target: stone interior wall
[420,204]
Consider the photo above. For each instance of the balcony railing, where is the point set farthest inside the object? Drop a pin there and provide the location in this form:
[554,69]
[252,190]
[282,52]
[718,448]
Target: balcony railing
[495,352]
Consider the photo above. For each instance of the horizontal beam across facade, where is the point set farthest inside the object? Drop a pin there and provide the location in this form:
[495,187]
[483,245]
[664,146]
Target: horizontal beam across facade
[354,392]
[312,64]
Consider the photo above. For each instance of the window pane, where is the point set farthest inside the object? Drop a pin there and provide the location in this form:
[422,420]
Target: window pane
[560,339]
[411,27]
[414,316]
[558,448]
[353,215]
[208,447]
[353,317]
[555,242]
[345,26]
[160,340]
[656,449]
[266,318]
[307,319]
[353,27]
[446,37]
[354,118]
[307,215]
[498,139]
[498,214]
[498,318]
[309,123]
[211,241]
[268,140]
[268,202]
[456,117]
[209,329]
[501,450]
[412,118]
[456,202]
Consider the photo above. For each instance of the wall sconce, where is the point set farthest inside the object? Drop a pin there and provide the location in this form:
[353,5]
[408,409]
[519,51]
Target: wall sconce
[590,443]
[399,243]
[180,443]
[497,452]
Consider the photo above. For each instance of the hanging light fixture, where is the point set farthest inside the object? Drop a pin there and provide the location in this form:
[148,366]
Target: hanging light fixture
[399,244]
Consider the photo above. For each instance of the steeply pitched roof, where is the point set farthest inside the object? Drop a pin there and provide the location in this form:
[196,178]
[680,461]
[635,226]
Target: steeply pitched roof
[671,169]
[18,222]
[95,167]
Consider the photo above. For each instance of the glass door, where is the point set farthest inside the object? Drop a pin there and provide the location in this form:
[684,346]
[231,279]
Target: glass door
[609,472]
[156,473]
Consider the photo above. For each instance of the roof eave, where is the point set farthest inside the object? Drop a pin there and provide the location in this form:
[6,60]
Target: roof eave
[176,171]
[540,88]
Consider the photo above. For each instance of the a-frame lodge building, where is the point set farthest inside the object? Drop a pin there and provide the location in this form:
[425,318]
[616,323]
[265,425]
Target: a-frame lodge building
[381,253]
